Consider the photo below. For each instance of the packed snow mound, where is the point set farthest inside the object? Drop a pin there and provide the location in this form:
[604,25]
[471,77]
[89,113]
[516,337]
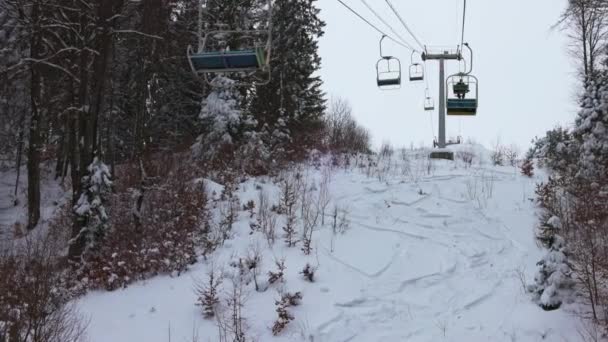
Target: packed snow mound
[409,249]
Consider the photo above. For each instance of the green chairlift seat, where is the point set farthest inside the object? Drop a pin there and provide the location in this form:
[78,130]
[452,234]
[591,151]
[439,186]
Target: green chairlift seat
[228,61]
[462,107]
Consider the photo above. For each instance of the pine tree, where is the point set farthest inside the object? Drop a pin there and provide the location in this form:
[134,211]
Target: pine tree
[591,132]
[293,102]
[90,209]
[221,113]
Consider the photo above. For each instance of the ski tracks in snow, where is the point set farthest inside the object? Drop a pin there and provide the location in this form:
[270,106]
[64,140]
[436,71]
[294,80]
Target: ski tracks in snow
[452,259]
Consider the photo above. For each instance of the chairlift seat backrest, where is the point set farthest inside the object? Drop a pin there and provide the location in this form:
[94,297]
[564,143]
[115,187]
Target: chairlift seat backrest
[239,60]
[389,82]
[462,107]
[416,72]
[388,71]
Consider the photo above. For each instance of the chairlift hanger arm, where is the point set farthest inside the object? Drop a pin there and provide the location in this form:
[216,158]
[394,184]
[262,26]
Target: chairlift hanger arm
[381,53]
[471,64]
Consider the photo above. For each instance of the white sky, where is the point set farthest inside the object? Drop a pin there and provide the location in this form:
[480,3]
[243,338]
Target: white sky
[527,80]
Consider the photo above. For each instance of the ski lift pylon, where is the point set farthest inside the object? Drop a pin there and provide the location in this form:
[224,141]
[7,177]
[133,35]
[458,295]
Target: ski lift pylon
[244,59]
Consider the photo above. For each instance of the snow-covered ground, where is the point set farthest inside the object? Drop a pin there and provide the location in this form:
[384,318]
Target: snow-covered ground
[431,254]
[52,195]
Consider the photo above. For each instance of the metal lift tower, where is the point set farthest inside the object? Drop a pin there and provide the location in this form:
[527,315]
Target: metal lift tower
[442,55]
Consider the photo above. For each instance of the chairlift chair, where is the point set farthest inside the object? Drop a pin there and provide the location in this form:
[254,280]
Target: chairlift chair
[416,70]
[249,57]
[388,71]
[461,85]
[429,103]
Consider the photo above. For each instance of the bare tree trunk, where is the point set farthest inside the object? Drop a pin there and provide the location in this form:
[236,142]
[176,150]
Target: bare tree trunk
[78,240]
[19,154]
[33,162]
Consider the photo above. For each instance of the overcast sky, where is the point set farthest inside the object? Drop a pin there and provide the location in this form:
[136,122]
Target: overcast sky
[527,81]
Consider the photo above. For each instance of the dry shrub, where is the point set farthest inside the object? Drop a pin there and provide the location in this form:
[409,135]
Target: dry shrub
[154,228]
[33,300]
[466,157]
[386,150]
[342,131]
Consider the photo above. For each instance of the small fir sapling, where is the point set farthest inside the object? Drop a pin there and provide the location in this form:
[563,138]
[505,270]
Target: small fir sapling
[527,168]
[284,316]
[309,273]
[230,207]
[236,303]
[266,218]
[277,276]
[310,217]
[207,294]
[288,207]
[250,207]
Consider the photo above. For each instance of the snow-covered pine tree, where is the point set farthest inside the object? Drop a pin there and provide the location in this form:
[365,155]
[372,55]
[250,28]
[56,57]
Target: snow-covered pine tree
[90,208]
[221,113]
[591,133]
[553,282]
[293,102]
[554,150]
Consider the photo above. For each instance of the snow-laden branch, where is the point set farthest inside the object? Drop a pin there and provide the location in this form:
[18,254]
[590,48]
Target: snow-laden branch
[139,33]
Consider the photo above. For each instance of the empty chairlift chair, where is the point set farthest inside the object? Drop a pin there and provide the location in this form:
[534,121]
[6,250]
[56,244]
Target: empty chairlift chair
[462,86]
[429,103]
[416,70]
[388,71]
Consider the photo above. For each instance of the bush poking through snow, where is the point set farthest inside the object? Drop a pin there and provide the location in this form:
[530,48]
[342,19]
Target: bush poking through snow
[250,207]
[309,273]
[161,238]
[274,277]
[266,218]
[310,216]
[208,297]
[288,207]
[466,157]
[284,316]
[527,168]
[253,263]
[33,297]
[229,207]
[553,279]
[511,154]
[232,325]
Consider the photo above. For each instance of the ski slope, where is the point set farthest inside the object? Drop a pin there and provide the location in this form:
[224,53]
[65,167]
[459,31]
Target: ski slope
[435,251]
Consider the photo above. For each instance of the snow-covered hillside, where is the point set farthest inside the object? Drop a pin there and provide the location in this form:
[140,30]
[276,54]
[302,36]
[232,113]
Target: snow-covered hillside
[431,251]
[13,209]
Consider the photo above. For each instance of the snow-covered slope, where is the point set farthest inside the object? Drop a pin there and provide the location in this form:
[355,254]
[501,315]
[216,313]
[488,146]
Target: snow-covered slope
[434,251]
[52,195]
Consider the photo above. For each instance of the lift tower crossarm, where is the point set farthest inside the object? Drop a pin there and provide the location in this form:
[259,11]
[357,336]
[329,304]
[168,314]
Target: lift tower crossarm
[443,56]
